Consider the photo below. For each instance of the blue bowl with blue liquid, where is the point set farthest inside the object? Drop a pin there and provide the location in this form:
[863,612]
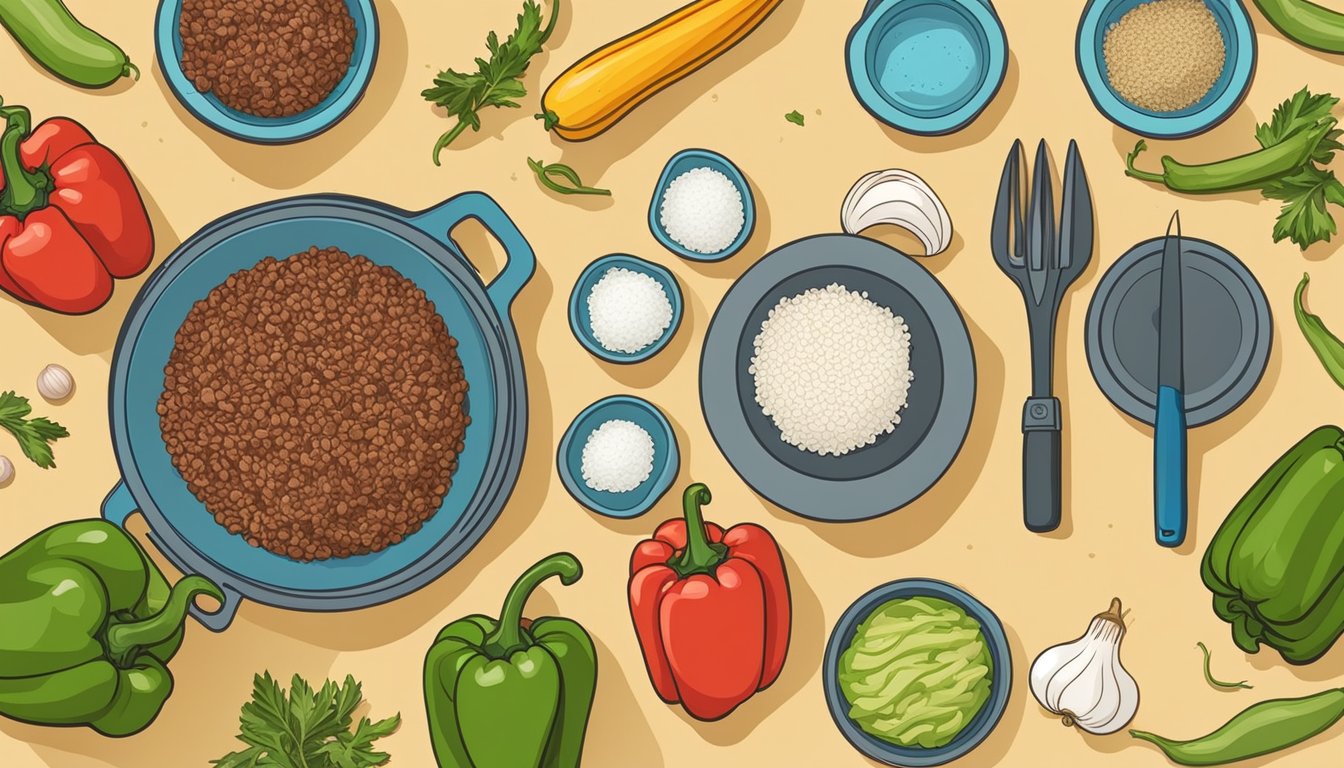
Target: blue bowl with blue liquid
[207,107]
[1234,23]
[666,457]
[927,67]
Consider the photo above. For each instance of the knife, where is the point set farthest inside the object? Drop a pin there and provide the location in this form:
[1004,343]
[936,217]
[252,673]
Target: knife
[1170,502]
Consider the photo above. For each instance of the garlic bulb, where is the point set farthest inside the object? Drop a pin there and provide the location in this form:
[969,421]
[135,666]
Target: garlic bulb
[55,383]
[901,198]
[6,471]
[1083,681]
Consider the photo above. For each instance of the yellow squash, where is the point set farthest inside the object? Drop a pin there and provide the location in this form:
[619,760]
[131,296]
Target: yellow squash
[605,85]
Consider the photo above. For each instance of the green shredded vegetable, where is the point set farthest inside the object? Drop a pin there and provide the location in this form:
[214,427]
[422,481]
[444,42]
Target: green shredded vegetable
[1215,682]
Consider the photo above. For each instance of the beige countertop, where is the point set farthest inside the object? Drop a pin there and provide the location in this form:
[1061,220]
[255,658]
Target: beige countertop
[967,530]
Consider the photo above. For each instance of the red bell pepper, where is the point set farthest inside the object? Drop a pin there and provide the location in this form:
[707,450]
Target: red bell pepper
[71,218]
[711,610]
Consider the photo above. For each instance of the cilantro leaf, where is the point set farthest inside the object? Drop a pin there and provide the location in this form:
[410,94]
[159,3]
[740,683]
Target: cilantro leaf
[795,117]
[355,750]
[34,435]
[497,81]
[1304,218]
[307,728]
[1302,111]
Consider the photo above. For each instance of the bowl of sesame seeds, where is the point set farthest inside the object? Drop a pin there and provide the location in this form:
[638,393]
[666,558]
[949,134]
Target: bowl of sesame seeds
[1166,68]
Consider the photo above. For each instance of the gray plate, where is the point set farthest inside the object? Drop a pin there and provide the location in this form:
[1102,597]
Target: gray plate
[1228,331]
[900,466]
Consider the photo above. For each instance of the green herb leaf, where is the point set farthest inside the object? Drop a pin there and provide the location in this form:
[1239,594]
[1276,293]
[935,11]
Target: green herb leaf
[498,81]
[1304,218]
[306,728]
[795,117]
[562,179]
[1303,111]
[34,435]
[355,750]
[1215,682]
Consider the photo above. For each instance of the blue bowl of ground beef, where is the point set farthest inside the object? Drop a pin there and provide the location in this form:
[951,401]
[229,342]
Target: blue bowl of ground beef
[209,109]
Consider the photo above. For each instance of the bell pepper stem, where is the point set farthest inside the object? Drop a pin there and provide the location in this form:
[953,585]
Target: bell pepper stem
[24,190]
[124,639]
[700,555]
[509,634]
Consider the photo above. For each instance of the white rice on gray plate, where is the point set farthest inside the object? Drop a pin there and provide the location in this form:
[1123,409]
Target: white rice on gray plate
[832,369]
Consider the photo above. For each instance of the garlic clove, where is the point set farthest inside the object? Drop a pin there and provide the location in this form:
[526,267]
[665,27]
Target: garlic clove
[1083,680]
[902,199]
[6,471]
[55,383]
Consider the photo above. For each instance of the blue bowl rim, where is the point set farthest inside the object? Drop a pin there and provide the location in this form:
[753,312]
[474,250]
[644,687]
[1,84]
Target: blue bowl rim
[718,162]
[1000,693]
[996,69]
[656,271]
[313,122]
[1156,126]
[662,479]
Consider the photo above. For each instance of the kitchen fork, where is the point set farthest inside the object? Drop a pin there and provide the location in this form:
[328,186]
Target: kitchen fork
[1043,267]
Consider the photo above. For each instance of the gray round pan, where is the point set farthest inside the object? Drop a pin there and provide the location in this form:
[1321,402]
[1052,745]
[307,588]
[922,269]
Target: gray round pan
[1227,325]
[900,466]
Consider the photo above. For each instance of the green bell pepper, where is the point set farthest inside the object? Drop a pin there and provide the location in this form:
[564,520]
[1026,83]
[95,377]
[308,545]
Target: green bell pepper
[512,693]
[88,625]
[1276,565]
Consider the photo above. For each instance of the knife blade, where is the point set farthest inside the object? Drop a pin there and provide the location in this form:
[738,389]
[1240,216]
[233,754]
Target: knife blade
[1170,501]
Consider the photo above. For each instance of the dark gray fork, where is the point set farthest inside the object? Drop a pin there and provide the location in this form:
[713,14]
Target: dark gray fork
[1043,266]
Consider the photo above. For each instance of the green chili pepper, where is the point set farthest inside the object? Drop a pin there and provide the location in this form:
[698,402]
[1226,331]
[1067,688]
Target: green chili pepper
[1261,729]
[546,173]
[1249,171]
[512,693]
[55,39]
[1307,23]
[1325,344]
[1213,681]
[87,627]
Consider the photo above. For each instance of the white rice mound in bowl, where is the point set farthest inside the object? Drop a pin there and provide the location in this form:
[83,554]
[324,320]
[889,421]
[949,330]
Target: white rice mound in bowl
[832,369]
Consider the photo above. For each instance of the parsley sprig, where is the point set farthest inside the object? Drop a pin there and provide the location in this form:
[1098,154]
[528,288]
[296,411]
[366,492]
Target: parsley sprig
[497,82]
[307,729]
[1305,192]
[34,435]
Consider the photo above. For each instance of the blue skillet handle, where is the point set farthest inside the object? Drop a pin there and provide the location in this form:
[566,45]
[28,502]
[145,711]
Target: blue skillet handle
[1170,502]
[441,220]
[119,506]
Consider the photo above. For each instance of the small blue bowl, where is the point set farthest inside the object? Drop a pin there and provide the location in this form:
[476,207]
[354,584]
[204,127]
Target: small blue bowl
[1221,100]
[927,67]
[689,160]
[666,457]
[581,325]
[269,130]
[976,730]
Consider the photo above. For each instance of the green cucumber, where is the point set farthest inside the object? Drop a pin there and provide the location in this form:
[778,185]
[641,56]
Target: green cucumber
[55,39]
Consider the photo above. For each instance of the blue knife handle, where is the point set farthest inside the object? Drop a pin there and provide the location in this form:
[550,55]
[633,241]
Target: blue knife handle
[1170,503]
